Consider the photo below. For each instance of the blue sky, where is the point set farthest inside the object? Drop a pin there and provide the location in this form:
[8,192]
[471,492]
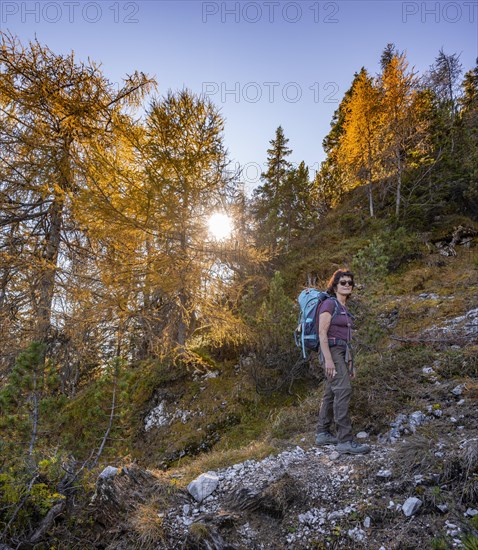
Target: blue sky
[263,63]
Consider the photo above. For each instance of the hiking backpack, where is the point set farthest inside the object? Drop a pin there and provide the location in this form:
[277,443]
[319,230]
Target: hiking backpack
[306,334]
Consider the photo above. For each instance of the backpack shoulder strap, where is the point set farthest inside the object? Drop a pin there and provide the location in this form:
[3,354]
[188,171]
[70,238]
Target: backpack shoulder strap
[337,306]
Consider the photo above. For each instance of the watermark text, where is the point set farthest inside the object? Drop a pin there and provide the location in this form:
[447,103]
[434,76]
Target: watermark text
[440,12]
[68,12]
[270,92]
[270,12]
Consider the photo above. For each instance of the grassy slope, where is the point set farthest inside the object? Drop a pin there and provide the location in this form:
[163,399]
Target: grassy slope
[230,422]
[389,371]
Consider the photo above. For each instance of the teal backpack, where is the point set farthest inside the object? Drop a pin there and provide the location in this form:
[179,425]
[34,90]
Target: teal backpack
[306,334]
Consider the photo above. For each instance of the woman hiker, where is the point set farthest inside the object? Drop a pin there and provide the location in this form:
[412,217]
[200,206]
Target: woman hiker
[335,334]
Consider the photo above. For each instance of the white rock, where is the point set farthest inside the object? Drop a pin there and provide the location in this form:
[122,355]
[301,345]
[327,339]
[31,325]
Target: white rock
[334,455]
[362,435]
[366,522]
[211,374]
[419,479]
[384,474]
[157,417]
[458,390]
[411,506]
[461,402]
[204,485]
[471,512]
[109,471]
[416,419]
[357,534]
[443,508]
[453,419]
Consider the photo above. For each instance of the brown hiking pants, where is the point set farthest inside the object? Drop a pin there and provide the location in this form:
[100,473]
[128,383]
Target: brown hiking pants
[336,399]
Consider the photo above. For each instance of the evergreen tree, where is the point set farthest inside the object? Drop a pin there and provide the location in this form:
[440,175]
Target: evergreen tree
[444,78]
[275,318]
[469,99]
[389,52]
[300,204]
[268,201]
[469,141]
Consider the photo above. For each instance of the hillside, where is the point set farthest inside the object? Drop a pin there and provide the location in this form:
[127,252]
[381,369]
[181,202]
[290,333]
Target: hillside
[414,401]
[148,305]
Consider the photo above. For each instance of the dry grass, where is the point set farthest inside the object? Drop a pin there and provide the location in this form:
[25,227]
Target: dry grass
[291,421]
[417,453]
[217,459]
[471,389]
[460,471]
[199,532]
[146,521]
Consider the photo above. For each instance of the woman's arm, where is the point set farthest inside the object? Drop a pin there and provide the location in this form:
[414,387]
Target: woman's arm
[324,323]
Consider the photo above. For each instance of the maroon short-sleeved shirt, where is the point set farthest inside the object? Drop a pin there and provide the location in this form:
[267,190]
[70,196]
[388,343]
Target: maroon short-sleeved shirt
[342,324]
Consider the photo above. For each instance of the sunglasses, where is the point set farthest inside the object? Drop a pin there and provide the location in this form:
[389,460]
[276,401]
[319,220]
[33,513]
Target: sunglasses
[346,283]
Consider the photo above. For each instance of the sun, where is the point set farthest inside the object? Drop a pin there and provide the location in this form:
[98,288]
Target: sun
[220,226]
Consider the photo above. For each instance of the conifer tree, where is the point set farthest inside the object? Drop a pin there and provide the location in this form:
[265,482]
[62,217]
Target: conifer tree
[186,180]
[469,99]
[268,201]
[333,178]
[469,139]
[443,79]
[389,52]
[359,145]
[53,110]
[402,126]
[300,204]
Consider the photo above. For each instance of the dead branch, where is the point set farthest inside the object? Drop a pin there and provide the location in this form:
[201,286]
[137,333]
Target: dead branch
[110,423]
[425,340]
[20,505]
[48,521]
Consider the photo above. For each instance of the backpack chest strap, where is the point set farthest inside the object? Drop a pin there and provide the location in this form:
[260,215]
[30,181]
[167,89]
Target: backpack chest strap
[337,342]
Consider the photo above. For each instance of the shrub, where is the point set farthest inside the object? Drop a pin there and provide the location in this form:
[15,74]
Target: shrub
[370,263]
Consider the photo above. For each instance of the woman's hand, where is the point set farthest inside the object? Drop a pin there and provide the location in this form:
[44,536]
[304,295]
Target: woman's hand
[330,371]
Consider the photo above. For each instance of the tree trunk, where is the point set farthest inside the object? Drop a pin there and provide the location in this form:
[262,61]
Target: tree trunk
[370,194]
[52,242]
[181,334]
[35,411]
[6,275]
[50,259]
[399,184]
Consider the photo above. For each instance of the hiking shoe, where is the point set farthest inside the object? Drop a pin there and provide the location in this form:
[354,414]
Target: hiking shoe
[352,448]
[326,438]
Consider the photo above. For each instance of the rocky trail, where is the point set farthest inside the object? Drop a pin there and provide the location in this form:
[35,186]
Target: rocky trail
[418,485]
[411,489]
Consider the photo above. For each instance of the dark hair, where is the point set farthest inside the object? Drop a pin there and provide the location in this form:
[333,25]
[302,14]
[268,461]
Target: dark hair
[334,280]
